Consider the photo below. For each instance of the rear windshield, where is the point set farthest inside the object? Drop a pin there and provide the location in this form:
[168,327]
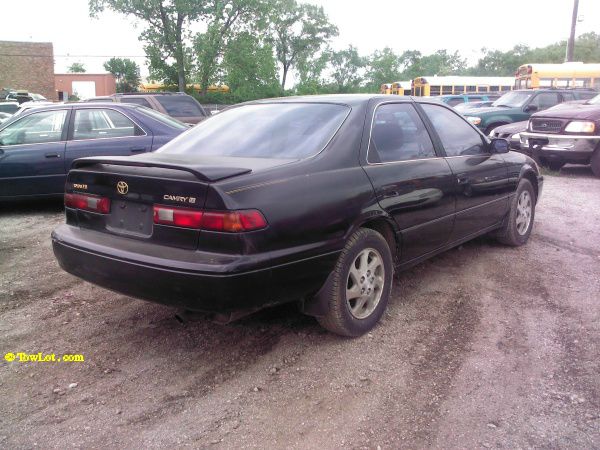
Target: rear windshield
[276,130]
[157,115]
[180,105]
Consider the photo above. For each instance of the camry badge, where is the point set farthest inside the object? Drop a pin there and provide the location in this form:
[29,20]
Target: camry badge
[122,187]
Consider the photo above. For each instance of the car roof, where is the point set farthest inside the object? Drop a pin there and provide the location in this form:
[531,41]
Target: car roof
[78,105]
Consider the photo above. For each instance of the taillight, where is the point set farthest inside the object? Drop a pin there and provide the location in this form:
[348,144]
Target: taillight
[177,217]
[233,221]
[88,202]
[226,221]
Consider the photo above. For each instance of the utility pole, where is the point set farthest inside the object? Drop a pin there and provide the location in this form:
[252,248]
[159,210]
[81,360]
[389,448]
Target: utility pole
[571,42]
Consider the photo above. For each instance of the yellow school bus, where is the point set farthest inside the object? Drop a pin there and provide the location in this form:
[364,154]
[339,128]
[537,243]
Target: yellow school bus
[386,88]
[571,74]
[431,86]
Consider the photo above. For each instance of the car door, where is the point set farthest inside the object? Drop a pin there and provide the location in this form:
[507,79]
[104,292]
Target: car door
[32,153]
[480,177]
[103,131]
[413,184]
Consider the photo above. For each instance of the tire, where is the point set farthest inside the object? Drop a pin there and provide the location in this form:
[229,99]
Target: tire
[595,162]
[553,165]
[518,224]
[366,249]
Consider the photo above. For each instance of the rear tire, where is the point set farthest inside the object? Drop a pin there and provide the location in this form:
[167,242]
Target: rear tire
[595,162]
[358,289]
[519,223]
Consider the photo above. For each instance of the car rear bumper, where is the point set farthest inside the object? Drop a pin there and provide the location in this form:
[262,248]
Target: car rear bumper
[203,282]
[565,148]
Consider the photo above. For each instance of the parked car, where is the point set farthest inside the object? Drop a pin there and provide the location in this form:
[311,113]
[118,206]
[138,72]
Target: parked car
[517,106]
[462,107]
[570,134]
[24,96]
[175,104]
[460,99]
[9,107]
[38,146]
[284,200]
[511,132]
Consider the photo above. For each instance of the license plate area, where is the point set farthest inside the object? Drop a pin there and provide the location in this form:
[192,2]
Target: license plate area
[130,218]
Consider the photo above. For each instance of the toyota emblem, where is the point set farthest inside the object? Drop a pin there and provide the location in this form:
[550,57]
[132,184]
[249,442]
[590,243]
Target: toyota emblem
[122,187]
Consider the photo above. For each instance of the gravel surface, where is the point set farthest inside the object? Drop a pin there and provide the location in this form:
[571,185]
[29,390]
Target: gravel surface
[482,347]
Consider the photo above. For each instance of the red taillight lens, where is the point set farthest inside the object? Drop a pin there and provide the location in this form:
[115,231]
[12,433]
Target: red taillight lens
[177,217]
[227,221]
[233,221]
[88,202]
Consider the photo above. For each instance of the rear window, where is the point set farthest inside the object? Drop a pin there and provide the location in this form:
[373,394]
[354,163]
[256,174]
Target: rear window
[276,130]
[157,115]
[180,105]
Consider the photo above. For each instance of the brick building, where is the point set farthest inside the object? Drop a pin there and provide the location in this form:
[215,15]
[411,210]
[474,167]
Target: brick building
[84,85]
[28,66]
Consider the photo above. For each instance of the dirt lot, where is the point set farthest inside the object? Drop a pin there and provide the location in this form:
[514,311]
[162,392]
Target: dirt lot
[483,346]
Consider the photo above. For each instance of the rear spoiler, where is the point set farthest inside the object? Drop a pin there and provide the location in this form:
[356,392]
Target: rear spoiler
[205,173]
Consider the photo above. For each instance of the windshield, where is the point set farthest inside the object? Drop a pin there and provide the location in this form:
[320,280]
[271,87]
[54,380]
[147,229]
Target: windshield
[594,101]
[514,99]
[275,130]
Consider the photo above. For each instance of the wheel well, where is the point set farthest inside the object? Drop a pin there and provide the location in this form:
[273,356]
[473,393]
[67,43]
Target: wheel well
[533,180]
[493,125]
[383,227]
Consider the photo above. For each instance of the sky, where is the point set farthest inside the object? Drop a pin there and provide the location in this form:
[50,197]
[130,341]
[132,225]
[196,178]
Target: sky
[429,25]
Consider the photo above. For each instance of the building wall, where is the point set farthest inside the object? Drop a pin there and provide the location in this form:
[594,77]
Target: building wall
[28,66]
[105,82]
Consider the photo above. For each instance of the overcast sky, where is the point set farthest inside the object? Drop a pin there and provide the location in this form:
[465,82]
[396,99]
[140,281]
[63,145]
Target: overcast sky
[464,25]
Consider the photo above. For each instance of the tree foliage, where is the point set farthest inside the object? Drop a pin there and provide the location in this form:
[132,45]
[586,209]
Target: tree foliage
[76,67]
[297,32]
[126,72]
[346,70]
[167,28]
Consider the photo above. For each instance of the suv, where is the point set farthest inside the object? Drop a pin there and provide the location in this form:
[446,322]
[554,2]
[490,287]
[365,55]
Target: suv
[175,104]
[516,106]
[570,134]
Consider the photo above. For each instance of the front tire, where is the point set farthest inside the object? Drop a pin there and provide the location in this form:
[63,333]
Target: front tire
[359,287]
[519,223]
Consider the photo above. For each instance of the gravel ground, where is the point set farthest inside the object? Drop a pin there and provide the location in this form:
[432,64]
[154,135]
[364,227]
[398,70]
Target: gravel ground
[483,346]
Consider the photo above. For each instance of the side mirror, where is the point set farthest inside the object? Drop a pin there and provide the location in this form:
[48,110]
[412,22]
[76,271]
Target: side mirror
[530,108]
[499,146]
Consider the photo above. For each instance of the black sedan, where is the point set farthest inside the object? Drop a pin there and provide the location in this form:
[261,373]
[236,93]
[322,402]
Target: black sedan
[38,145]
[310,199]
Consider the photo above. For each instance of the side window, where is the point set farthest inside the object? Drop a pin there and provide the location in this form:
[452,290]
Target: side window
[180,105]
[545,100]
[35,128]
[568,96]
[136,100]
[398,134]
[102,123]
[457,136]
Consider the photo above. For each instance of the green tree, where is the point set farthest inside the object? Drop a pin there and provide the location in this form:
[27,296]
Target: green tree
[384,66]
[346,70]
[310,69]
[76,67]
[224,18]
[250,68]
[126,72]
[167,26]
[297,32]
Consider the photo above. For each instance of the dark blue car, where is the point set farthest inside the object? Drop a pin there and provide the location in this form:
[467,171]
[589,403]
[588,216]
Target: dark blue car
[38,146]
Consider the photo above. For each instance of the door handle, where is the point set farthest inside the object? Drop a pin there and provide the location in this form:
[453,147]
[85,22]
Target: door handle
[52,155]
[137,149]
